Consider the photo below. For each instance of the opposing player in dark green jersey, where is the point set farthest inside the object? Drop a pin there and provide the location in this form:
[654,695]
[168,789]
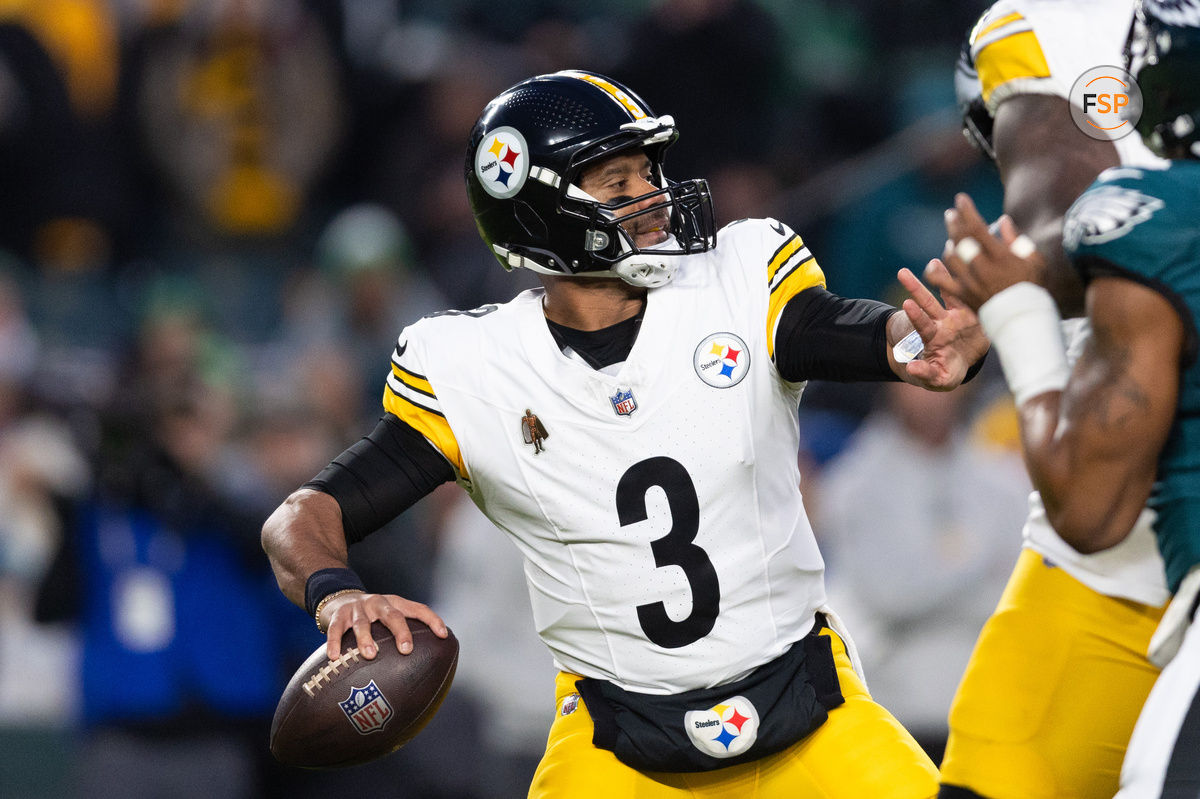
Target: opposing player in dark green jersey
[1123,426]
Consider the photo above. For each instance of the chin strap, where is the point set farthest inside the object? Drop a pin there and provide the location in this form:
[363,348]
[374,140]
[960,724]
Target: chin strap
[638,270]
[645,269]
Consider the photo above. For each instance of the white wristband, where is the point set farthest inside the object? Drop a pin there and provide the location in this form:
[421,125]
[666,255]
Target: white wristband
[1025,329]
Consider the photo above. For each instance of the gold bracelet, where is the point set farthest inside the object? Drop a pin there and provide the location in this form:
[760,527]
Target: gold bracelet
[326,598]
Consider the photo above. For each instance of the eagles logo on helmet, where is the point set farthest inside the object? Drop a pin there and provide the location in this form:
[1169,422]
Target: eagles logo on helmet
[524,159]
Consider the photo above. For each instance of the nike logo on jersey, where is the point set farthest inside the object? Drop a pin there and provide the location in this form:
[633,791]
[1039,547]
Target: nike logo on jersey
[400,348]
[778,228]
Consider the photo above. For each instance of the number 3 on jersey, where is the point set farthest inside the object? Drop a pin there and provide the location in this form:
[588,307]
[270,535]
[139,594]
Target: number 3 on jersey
[676,548]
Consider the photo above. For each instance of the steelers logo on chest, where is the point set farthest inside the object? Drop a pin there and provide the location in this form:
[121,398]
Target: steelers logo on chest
[722,360]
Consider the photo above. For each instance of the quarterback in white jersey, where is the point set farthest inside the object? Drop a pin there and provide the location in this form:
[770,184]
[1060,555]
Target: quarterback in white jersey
[632,427]
[1026,721]
[685,458]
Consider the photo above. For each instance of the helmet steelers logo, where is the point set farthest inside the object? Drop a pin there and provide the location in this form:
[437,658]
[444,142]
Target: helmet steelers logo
[722,360]
[502,162]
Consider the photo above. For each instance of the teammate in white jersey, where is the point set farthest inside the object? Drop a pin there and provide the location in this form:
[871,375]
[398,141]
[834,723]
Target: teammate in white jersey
[632,427]
[1059,674]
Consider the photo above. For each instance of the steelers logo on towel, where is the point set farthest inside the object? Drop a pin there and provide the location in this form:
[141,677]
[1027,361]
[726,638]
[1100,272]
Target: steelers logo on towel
[722,360]
[724,730]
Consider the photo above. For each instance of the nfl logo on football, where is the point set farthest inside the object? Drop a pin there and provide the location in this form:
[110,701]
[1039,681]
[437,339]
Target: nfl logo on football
[623,402]
[367,708]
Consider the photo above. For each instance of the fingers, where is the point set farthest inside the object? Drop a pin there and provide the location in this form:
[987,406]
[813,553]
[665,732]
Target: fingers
[346,614]
[359,611]
[969,235]
[396,615]
[964,221]
[940,278]
[416,610]
[925,326]
[920,294]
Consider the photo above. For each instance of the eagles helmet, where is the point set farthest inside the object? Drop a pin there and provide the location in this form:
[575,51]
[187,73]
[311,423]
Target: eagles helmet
[1163,54]
[524,160]
[976,121]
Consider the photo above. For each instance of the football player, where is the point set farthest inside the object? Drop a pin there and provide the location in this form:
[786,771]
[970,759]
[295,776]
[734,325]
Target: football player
[1121,425]
[632,427]
[1026,722]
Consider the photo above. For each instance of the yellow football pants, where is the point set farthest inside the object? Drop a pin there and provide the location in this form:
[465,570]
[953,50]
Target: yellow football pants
[1056,681]
[860,751]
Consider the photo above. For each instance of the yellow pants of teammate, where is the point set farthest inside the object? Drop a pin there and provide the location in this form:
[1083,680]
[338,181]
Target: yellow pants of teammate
[860,751]
[1049,699]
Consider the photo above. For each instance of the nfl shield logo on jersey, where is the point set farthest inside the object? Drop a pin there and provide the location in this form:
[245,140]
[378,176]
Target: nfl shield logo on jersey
[367,708]
[623,402]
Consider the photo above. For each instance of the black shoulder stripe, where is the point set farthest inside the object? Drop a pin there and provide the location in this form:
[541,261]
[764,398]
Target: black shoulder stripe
[782,247]
[409,372]
[415,403]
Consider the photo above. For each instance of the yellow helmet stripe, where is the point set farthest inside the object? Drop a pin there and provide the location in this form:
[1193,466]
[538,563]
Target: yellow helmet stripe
[617,94]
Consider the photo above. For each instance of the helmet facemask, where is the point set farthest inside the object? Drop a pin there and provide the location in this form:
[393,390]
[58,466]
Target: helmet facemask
[609,229]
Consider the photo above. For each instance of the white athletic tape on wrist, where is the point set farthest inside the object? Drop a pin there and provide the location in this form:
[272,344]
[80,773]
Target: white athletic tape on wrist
[1025,329]
[967,250]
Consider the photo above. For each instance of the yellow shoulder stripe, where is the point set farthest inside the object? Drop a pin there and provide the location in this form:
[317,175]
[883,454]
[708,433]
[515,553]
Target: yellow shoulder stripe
[428,423]
[782,255]
[1012,58]
[804,276]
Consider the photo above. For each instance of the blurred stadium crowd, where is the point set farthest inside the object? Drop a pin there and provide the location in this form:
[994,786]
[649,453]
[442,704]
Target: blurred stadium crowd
[215,218]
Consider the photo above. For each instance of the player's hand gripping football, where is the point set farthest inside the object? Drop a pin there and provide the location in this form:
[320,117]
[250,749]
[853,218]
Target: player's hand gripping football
[976,264]
[356,611]
[951,334]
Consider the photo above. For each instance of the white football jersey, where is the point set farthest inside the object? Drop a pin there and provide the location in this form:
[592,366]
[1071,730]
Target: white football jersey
[666,544]
[1041,47]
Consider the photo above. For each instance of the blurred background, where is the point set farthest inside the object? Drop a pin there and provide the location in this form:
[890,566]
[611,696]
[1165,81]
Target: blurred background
[215,218]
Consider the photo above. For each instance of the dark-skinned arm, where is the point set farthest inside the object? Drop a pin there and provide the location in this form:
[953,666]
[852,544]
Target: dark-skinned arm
[1092,449]
[364,487]
[1045,163]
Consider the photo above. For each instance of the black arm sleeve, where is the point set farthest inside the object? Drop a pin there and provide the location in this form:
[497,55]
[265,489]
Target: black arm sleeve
[382,475]
[822,336]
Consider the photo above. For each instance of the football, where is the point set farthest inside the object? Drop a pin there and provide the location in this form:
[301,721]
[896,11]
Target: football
[351,710]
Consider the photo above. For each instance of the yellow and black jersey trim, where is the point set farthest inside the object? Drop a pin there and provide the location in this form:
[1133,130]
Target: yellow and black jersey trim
[790,270]
[1006,52]
[410,396]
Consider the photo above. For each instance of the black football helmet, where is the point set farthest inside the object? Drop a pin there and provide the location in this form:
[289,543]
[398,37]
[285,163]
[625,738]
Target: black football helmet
[524,160]
[1163,54]
[976,121]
